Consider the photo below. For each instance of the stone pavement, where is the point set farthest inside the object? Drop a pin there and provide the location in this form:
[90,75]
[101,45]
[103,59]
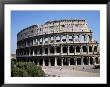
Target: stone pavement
[71,71]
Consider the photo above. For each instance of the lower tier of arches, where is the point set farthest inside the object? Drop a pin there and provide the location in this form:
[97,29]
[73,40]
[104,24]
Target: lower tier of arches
[61,61]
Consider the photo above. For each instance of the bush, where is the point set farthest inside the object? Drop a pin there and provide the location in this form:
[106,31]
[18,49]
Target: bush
[26,69]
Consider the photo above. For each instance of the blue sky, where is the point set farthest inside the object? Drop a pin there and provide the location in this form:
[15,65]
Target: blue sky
[23,19]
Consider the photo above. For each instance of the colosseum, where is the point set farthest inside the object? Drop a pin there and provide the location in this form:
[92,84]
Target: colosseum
[66,42]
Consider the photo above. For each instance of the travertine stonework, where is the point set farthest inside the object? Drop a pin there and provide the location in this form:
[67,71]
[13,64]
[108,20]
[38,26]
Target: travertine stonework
[58,43]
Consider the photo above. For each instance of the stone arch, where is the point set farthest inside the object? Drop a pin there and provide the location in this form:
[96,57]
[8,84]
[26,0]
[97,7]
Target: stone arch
[59,62]
[57,38]
[90,48]
[83,38]
[70,38]
[46,50]
[85,60]
[95,48]
[58,49]
[84,49]
[91,61]
[52,50]
[78,61]
[64,49]
[64,38]
[40,51]
[78,49]
[76,37]
[65,61]
[96,60]
[71,49]
[72,61]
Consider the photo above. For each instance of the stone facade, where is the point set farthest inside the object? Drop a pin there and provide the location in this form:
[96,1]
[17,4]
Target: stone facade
[58,43]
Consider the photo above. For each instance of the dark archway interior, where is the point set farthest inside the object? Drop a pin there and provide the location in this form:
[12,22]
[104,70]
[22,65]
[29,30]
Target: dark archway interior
[78,61]
[84,49]
[46,50]
[71,50]
[77,49]
[52,50]
[72,61]
[59,62]
[58,49]
[64,49]
[65,61]
[90,49]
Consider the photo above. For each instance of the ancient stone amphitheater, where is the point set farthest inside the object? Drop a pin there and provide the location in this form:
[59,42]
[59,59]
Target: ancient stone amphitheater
[65,42]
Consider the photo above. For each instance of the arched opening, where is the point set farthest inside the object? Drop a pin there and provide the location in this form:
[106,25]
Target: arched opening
[41,62]
[72,61]
[77,49]
[59,62]
[31,51]
[65,61]
[91,60]
[64,38]
[46,40]
[52,39]
[90,48]
[96,60]
[52,50]
[64,49]
[78,61]
[85,60]
[46,62]
[95,48]
[46,50]
[52,62]
[57,39]
[40,51]
[35,51]
[76,38]
[58,49]
[70,38]
[83,38]
[84,49]
[71,49]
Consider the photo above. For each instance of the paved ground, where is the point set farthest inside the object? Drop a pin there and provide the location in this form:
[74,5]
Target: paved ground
[71,71]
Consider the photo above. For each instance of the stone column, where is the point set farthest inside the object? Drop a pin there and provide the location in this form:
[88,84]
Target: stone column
[49,63]
[82,62]
[93,49]
[55,61]
[88,60]
[43,62]
[87,49]
[67,50]
[48,50]
[61,61]
[75,50]
[73,38]
[69,62]
[67,38]
[80,38]
[60,38]
[76,61]
[81,50]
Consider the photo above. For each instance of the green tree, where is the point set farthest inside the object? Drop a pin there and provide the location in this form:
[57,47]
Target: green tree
[26,69]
